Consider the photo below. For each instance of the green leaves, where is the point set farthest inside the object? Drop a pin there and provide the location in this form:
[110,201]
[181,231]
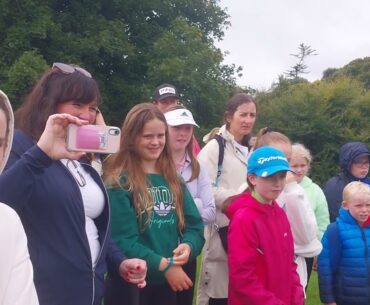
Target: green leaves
[129,47]
[322,115]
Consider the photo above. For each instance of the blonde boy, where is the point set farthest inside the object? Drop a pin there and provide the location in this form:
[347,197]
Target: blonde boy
[344,263]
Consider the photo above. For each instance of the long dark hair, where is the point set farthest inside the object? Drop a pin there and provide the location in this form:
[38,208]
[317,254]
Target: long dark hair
[232,106]
[53,88]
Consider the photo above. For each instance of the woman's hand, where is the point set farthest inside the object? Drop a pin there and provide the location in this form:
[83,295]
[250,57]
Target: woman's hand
[99,119]
[177,278]
[181,254]
[134,271]
[53,139]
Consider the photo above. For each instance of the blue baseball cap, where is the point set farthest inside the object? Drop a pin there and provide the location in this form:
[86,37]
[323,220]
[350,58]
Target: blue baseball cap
[266,161]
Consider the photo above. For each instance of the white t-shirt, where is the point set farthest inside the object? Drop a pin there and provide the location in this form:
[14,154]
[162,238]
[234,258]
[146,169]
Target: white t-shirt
[93,201]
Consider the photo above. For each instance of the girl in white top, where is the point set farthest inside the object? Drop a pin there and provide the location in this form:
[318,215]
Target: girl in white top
[181,134]
[301,163]
[181,130]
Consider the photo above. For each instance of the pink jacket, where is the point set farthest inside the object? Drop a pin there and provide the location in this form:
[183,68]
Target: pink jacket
[261,255]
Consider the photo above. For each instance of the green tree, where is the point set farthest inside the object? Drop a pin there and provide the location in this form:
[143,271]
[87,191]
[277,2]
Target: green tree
[129,46]
[321,115]
[358,69]
[300,67]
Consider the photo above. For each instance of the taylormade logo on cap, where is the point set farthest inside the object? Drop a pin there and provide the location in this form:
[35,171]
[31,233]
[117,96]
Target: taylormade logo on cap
[263,160]
[266,161]
[167,90]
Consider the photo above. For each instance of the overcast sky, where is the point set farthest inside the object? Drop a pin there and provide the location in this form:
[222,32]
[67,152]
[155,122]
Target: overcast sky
[264,32]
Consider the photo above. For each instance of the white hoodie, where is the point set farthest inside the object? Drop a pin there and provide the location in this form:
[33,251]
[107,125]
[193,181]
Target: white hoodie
[294,201]
[16,272]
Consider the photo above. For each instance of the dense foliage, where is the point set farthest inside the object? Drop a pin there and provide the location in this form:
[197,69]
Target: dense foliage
[132,46]
[358,69]
[322,115]
[129,46]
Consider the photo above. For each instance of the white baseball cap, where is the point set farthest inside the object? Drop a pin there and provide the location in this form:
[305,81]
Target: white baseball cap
[179,117]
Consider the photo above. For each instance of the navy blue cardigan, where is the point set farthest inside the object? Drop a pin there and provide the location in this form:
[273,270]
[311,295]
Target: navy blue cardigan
[49,203]
[347,283]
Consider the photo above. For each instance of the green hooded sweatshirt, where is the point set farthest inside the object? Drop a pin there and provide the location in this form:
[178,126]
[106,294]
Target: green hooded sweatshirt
[160,236]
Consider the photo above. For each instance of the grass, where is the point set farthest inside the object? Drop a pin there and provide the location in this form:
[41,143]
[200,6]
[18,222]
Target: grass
[313,297]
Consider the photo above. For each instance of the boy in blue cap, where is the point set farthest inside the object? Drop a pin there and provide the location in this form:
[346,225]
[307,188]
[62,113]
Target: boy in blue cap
[260,243]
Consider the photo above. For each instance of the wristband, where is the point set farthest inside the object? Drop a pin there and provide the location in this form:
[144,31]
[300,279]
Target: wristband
[170,263]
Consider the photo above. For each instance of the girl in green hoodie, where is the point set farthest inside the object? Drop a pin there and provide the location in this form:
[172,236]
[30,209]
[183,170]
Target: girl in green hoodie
[153,214]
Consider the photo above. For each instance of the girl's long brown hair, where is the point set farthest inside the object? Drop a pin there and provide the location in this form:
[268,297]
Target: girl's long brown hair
[126,162]
[195,167]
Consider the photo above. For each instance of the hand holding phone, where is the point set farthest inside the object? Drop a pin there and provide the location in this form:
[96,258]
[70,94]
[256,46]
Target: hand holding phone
[93,138]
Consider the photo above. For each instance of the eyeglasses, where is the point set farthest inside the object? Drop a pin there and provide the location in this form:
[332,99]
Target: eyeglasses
[73,169]
[69,69]
[361,162]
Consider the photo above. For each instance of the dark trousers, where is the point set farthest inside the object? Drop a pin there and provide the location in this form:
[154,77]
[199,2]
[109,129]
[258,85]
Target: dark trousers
[119,292]
[217,301]
[157,295]
[309,263]
[186,297]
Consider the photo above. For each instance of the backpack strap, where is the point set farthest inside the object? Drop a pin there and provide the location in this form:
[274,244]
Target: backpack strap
[221,151]
[335,245]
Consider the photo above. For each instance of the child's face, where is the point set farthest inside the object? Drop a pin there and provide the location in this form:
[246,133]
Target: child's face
[150,144]
[180,136]
[360,167]
[359,207]
[300,166]
[269,188]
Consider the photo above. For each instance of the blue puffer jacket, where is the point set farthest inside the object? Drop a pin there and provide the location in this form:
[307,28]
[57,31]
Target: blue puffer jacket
[348,283]
[334,186]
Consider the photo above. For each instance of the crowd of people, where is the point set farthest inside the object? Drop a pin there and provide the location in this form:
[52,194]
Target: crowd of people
[134,227]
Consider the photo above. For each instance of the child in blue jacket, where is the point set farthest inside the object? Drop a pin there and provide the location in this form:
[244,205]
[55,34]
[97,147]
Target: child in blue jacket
[344,263]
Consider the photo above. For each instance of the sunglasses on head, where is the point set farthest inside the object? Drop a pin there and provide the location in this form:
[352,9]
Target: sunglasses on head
[68,69]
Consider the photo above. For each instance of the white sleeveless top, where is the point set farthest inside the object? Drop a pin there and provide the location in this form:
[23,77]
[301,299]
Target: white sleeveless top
[93,202]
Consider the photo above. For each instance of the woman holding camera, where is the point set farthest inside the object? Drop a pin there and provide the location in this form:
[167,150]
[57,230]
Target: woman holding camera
[59,196]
